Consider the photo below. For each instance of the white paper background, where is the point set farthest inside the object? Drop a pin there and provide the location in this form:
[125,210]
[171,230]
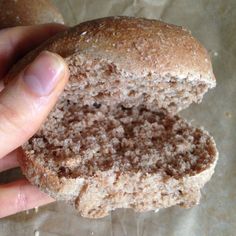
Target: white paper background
[213,22]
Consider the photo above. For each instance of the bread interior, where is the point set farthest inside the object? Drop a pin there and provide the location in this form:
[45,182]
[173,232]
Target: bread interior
[103,82]
[121,129]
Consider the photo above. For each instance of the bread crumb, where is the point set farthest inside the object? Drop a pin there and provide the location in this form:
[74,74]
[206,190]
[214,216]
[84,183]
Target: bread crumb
[133,139]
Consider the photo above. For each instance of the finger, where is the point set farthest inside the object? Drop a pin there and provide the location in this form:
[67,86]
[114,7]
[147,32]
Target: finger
[27,100]
[16,42]
[20,196]
[11,160]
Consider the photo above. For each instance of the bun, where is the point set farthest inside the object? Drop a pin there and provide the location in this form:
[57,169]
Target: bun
[113,141]
[165,65]
[134,158]
[28,12]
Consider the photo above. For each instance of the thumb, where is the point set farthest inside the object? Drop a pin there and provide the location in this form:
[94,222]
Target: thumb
[27,100]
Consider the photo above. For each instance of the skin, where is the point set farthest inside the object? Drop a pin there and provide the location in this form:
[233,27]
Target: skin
[21,106]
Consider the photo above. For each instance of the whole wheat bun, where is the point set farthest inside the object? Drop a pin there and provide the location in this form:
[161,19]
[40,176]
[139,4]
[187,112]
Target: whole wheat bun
[113,141]
[28,12]
[169,68]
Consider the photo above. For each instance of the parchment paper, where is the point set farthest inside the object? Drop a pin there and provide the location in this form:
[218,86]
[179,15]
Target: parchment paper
[213,22]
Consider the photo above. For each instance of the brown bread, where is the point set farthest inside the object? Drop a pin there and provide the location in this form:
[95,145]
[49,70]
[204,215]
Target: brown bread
[113,141]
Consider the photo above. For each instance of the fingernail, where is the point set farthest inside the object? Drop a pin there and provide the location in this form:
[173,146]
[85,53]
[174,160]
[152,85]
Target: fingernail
[42,76]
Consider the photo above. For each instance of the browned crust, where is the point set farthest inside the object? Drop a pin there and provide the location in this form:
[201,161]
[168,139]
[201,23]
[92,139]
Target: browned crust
[28,12]
[134,44]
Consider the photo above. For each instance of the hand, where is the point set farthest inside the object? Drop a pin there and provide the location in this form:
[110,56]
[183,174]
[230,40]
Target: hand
[24,105]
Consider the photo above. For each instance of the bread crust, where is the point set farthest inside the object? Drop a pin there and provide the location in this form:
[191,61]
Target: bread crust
[134,44]
[28,12]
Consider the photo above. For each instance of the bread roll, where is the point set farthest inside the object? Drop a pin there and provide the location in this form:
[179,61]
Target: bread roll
[113,141]
[28,12]
[154,62]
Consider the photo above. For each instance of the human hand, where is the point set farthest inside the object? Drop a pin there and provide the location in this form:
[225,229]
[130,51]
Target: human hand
[24,104]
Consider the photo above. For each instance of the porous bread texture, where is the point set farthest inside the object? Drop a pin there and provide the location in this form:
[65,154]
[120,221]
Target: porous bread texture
[95,196]
[101,153]
[150,50]
[103,81]
[28,12]
[112,140]
[101,159]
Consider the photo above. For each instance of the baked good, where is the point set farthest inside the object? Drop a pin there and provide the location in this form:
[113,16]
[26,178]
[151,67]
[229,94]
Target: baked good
[28,12]
[113,139]
[166,66]
[100,161]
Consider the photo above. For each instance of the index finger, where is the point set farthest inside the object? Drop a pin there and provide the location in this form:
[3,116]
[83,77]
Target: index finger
[16,42]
